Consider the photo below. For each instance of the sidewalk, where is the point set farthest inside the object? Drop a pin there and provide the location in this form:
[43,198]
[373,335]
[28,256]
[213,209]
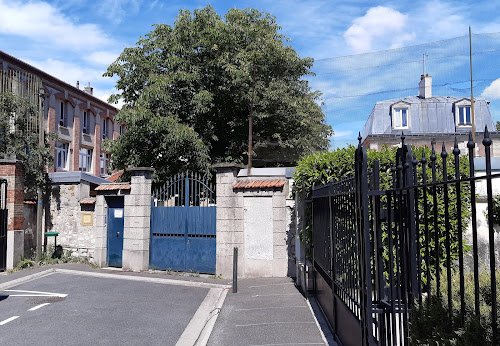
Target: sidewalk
[267,311]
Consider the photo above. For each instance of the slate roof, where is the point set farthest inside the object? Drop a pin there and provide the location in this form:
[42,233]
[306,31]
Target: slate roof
[433,115]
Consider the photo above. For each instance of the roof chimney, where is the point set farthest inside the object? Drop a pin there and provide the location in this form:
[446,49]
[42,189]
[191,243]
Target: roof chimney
[88,89]
[425,87]
[78,84]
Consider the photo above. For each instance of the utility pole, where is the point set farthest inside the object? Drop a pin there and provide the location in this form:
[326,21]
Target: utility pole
[471,90]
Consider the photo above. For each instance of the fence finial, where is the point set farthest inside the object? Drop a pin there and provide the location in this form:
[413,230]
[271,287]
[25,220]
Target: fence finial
[359,138]
[402,139]
[470,143]
[444,154]
[414,162]
[433,153]
[423,160]
[487,140]
[456,151]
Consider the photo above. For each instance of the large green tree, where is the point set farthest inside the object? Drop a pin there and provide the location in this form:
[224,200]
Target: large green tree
[210,73]
[17,139]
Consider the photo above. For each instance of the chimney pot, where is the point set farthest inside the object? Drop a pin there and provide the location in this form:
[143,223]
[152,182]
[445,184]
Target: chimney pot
[425,87]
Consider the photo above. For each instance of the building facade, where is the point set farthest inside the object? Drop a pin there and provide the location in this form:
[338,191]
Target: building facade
[425,118]
[81,121]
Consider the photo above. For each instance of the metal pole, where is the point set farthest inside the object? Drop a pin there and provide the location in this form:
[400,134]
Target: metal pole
[471,91]
[235,270]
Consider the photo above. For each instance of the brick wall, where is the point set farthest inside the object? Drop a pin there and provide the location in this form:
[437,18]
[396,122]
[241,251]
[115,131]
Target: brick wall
[13,171]
[97,147]
[51,128]
[75,145]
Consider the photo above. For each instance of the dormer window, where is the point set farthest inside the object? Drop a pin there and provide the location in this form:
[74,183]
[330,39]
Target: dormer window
[399,118]
[463,116]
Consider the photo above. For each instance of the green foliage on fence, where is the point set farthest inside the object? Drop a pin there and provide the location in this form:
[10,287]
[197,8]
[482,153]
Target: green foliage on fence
[323,167]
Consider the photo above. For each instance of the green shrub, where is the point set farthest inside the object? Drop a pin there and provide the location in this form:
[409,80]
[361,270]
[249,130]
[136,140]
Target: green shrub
[430,324]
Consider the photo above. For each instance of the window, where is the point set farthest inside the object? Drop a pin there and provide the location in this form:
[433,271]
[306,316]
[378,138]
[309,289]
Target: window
[122,129]
[86,124]
[463,115]
[104,129]
[61,155]
[104,163]
[62,114]
[85,161]
[399,118]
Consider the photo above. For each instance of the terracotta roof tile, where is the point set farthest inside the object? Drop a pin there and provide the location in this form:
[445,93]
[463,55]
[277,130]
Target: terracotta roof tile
[87,201]
[115,176]
[259,184]
[112,187]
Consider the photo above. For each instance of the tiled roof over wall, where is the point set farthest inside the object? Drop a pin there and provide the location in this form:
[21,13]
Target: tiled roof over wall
[112,187]
[259,184]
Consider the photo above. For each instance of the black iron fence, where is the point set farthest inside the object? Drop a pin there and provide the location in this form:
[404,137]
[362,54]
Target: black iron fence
[386,244]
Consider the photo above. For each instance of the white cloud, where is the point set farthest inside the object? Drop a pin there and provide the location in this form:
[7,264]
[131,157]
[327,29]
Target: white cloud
[378,23]
[42,22]
[105,94]
[69,72]
[492,92]
[102,57]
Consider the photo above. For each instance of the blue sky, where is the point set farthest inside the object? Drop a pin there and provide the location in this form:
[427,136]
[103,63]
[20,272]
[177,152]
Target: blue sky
[364,50]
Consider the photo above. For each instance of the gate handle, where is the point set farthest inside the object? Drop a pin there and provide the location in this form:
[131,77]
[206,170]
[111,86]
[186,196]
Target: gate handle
[117,234]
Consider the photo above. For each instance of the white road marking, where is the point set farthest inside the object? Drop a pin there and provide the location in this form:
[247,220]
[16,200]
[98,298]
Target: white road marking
[8,320]
[35,294]
[38,307]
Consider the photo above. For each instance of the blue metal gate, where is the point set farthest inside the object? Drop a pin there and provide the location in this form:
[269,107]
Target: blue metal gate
[183,216]
[3,224]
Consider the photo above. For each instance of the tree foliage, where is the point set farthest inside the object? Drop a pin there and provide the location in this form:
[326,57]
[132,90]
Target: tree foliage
[208,74]
[16,139]
[160,142]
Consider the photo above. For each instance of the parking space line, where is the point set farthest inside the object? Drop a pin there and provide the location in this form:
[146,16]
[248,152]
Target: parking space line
[38,307]
[8,320]
[36,294]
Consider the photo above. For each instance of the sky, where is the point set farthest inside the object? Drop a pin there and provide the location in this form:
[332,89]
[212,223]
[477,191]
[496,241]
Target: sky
[364,51]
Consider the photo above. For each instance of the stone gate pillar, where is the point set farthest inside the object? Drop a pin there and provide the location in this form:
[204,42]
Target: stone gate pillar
[136,232]
[12,170]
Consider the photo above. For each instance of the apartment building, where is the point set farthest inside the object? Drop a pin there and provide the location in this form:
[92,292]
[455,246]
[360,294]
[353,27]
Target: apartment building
[81,121]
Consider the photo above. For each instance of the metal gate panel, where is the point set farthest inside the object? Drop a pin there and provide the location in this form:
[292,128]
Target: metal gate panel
[3,224]
[3,239]
[183,225]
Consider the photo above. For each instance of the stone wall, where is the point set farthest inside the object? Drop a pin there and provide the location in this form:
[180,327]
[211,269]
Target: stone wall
[258,221]
[65,216]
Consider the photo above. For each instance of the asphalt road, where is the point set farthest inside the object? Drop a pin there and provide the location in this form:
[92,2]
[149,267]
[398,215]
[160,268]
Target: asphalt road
[84,310]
